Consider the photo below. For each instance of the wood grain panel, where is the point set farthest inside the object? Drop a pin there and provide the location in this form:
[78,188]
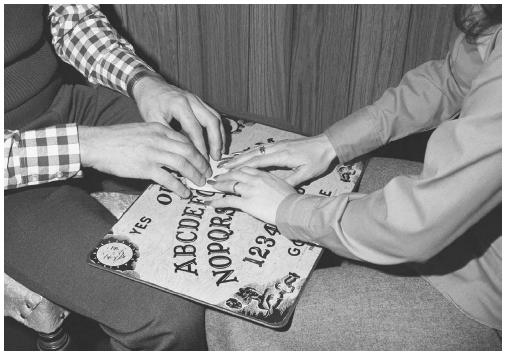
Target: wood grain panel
[298,66]
[269,60]
[321,62]
[225,47]
[380,44]
[153,30]
[431,30]
[190,51]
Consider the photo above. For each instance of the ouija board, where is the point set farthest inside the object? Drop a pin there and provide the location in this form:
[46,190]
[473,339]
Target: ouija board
[222,258]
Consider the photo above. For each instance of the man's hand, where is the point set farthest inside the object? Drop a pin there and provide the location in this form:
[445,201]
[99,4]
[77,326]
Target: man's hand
[259,193]
[141,150]
[160,102]
[307,157]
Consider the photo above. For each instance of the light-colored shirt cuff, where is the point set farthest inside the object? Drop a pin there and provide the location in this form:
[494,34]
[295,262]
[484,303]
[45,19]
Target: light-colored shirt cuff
[312,219]
[354,135]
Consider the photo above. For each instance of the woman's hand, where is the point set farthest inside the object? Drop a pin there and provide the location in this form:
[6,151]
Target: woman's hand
[256,192]
[142,150]
[160,102]
[307,157]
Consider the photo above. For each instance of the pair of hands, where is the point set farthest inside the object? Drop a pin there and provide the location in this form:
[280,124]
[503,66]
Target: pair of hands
[146,150]
[260,193]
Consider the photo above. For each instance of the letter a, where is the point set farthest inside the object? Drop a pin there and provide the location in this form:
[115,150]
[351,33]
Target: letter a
[187,267]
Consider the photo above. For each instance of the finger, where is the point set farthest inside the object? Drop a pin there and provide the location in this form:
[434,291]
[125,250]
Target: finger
[227,201]
[189,152]
[251,171]
[180,144]
[211,121]
[236,175]
[222,127]
[160,126]
[181,165]
[166,179]
[174,135]
[184,114]
[223,137]
[243,158]
[298,177]
[262,161]
[212,110]
[232,187]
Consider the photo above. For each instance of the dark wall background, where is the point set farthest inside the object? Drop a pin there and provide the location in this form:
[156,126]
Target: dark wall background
[298,66]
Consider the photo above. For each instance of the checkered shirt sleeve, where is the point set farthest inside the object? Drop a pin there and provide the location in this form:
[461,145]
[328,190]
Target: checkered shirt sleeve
[40,156]
[84,38]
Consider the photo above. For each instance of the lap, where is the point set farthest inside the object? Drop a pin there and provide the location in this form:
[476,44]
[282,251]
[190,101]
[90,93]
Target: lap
[50,229]
[49,232]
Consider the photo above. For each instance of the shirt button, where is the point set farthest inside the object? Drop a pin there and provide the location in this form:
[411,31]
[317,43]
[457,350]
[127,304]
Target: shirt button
[59,174]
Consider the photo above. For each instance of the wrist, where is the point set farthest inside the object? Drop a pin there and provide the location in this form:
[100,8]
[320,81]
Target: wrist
[85,135]
[284,208]
[327,150]
[139,82]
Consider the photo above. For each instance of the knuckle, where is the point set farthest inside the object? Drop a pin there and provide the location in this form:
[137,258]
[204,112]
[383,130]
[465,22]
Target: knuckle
[191,97]
[197,126]
[182,165]
[180,100]
[213,120]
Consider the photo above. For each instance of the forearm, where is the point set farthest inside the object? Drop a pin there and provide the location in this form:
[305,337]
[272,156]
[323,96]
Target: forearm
[425,97]
[398,224]
[84,38]
[41,156]
[412,218]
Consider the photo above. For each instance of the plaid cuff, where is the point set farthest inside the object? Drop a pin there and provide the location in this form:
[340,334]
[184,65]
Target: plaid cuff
[84,38]
[40,156]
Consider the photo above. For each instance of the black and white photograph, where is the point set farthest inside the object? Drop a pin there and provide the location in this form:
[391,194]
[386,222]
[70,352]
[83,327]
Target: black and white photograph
[252,177]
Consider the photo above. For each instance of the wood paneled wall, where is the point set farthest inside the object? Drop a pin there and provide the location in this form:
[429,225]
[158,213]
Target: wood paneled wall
[299,66]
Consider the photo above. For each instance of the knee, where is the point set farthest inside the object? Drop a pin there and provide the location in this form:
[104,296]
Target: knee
[174,328]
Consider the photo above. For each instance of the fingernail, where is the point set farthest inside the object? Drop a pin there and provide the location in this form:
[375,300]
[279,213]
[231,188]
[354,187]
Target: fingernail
[207,203]
[211,182]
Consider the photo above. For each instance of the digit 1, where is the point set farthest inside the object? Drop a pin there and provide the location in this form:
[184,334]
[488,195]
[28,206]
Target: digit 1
[254,261]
